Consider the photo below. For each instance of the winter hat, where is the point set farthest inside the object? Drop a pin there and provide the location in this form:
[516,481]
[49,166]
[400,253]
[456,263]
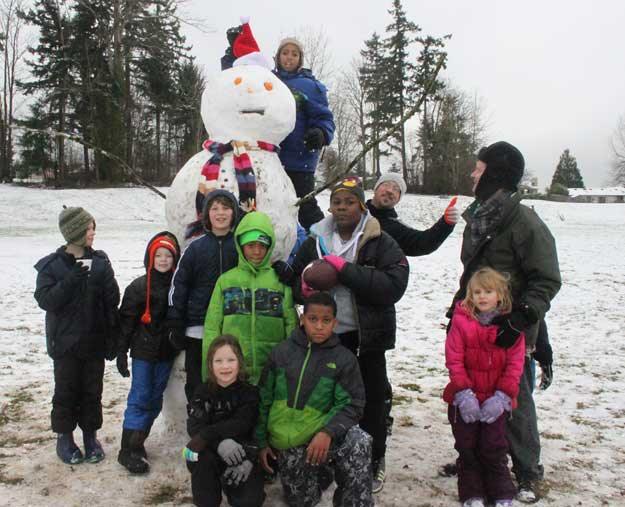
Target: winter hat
[73,223]
[504,169]
[395,178]
[353,185]
[297,44]
[254,235]
[245,48]
[163,240]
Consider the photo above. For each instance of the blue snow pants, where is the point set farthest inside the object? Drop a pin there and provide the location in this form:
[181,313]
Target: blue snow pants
[145,399]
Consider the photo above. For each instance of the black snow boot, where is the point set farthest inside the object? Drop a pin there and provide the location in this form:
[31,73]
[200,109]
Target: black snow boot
[93,449]
[67,450]
[132,455]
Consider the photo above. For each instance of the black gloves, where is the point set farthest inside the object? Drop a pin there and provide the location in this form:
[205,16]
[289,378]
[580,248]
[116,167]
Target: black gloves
[284,271]
[176,335]
[314,139]
[232,33]
[122,364]
[547,376]
[511,325]
[78,273]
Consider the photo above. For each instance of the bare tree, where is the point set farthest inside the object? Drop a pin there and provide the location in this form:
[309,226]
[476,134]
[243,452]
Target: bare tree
[13,50]
[317,55]
[618,156]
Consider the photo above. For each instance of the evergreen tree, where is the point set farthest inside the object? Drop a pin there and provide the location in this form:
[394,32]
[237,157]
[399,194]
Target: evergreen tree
[36,147]
[51,69]
[567,174]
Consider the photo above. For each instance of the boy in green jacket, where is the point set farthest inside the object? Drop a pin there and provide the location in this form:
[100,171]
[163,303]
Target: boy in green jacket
[249,301]
[312,397]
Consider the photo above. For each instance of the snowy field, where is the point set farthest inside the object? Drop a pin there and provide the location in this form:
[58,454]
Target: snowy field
[581,416]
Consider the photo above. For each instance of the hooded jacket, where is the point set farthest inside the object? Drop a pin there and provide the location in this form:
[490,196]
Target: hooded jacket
[377,280]
[250,303]
[475,362]
[308,387]
[147,342]
[202,262]
[311,101]
[521,246]
[80,317]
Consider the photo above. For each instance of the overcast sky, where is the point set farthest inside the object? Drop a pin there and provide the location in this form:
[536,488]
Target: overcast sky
[551,72]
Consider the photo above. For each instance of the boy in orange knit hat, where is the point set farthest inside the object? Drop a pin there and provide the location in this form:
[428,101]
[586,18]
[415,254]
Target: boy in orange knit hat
[142,314]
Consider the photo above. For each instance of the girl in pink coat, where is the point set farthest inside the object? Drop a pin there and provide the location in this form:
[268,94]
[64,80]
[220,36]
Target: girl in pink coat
[484,382]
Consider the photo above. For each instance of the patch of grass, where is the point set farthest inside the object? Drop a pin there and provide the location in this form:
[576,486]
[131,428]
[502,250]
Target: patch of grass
[411,387]
[13,410]
[399,399]
[165,493]
[552,436]
[17,441]
[405,421]
[10,481]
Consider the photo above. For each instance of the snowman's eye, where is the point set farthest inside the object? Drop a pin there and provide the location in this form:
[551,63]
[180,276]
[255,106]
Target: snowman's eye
[268,86]
[238,80]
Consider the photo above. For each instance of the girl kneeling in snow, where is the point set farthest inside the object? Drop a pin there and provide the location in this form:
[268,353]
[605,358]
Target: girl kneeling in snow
[223,411]
[484,382]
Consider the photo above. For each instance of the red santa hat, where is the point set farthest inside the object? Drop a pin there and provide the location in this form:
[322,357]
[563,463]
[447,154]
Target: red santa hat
[245,48]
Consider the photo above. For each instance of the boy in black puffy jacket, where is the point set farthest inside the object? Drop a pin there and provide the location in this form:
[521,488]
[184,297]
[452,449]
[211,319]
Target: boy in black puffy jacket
[142,316]
[76,287]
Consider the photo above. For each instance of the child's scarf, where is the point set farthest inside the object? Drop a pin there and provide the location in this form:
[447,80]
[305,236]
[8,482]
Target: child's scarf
[246,179]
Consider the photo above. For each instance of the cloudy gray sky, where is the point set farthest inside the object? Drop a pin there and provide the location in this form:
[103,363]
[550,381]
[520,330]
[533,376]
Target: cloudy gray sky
[551,72]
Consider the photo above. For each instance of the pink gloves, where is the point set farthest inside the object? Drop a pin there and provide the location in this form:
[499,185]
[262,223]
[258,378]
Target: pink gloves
[337,262]
[452,214]
[468,406]
[494,406]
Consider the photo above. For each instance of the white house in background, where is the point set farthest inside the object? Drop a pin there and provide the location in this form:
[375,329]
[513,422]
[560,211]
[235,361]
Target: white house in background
[601,195]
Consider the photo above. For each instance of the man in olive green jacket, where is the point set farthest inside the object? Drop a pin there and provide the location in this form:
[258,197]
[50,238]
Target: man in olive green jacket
[505,235]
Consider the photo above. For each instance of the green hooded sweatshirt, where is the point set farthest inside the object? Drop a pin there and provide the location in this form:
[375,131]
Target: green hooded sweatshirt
[250,303]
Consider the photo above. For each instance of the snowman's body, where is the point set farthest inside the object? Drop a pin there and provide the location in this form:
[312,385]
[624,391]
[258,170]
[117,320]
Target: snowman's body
[245,104]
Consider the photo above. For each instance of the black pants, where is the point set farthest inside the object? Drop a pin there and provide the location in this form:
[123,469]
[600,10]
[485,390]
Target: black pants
[309,212]
[193,366]
[206,484]
[373,370]
[77,396]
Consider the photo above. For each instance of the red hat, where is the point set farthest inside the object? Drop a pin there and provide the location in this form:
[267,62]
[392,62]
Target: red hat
[245,48]
[170,244]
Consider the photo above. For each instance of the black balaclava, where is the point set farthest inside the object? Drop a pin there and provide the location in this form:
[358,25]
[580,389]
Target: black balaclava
[504,169]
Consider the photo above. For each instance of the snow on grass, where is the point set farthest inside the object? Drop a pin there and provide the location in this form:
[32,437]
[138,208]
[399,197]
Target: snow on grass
[581,417]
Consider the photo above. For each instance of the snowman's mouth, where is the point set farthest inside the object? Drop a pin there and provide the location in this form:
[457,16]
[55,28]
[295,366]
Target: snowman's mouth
[260,112]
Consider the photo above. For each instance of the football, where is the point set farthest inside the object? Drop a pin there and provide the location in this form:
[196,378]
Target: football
[320,275]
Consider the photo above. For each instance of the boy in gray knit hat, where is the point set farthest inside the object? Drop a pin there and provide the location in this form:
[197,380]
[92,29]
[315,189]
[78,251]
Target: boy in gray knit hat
[76,287]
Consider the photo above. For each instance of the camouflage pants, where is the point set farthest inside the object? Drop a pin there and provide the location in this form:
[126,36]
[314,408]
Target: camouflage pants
[350,459]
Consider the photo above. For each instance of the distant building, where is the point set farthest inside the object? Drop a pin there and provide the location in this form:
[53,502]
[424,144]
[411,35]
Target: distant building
[599,195]
[529,187]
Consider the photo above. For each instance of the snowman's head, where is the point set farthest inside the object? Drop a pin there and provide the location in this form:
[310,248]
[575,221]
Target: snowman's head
[247,103]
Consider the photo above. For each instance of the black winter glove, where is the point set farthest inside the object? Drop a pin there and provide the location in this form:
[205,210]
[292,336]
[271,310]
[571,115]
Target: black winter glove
[197,443]
[511,325]
[232,33]
[177,337]
[78,273]
[314,139]
[547,376]
[122,364]
[284,271]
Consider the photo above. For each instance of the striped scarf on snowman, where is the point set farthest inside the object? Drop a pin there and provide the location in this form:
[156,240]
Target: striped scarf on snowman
[244,172]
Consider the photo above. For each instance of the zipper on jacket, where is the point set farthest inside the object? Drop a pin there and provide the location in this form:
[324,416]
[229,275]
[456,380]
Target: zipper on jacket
[253,344]
[301,375]
[221,260]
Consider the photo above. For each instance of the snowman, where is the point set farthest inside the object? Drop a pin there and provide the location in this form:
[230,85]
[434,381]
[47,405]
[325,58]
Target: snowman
[247,111]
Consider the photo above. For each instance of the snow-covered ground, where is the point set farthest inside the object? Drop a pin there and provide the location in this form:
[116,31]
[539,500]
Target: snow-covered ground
[581,416]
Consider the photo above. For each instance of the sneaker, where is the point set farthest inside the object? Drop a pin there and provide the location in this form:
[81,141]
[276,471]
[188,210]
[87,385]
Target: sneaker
[503,503]
[448,470]
[474,502]
[527,492]
[379,475]
[93,449]
[67,450]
